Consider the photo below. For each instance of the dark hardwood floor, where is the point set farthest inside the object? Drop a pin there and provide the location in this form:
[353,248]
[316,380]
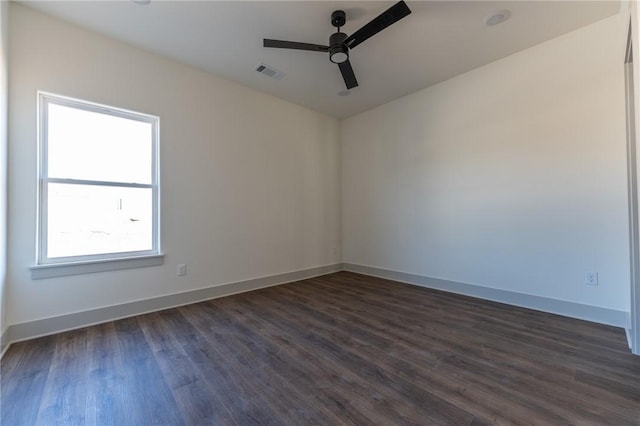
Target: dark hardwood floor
[338,349]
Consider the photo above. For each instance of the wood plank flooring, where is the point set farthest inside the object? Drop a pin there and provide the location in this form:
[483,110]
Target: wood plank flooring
[339,349]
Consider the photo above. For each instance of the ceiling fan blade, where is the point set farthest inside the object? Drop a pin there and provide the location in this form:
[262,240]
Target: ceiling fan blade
[295,45]
[385,19]
[348,75]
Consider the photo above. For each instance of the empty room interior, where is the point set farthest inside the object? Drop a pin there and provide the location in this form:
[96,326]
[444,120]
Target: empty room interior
[319,212]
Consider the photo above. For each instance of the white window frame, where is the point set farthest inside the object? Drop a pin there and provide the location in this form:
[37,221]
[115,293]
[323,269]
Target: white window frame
[71,265]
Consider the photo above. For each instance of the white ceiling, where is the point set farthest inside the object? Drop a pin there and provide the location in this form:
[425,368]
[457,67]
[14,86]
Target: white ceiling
[439,40]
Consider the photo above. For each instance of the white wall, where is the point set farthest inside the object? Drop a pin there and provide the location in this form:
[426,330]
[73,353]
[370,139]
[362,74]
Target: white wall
[511,176]
[250,183]
[4,46]
[633,14]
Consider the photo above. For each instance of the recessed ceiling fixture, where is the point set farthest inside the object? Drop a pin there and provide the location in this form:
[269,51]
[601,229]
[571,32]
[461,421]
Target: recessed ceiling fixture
[498,17]
[344,93]
[142,2]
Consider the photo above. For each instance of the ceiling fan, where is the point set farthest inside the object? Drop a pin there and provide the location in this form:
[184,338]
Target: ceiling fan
[340,43]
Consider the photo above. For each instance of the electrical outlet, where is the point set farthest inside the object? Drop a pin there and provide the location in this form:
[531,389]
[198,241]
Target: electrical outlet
[591,278]
[181,270]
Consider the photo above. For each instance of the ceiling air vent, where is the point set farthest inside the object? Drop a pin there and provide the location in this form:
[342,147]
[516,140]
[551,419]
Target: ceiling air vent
[269,71]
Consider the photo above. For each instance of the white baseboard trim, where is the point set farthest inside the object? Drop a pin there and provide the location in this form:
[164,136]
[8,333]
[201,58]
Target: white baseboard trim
[4,341]
[47,326]
[560,307]
[628,331]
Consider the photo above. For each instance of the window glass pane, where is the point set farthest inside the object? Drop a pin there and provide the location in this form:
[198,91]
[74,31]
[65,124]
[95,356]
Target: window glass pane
[93,146]
[87,219]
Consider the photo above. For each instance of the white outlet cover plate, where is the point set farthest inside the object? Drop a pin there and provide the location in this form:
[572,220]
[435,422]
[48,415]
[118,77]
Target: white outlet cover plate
[591,278]
[181,270]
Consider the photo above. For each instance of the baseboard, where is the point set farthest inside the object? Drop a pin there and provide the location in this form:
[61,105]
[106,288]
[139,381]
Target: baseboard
[627,330]
[43,327]
[560,307]
[47,326]
[4,341]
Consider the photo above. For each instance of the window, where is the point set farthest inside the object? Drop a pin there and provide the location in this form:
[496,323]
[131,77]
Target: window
[98,184]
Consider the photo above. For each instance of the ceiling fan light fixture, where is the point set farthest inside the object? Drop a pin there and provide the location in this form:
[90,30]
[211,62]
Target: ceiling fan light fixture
[338,51]
[338,54]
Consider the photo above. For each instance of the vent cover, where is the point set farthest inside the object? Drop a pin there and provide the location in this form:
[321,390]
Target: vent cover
[269,71]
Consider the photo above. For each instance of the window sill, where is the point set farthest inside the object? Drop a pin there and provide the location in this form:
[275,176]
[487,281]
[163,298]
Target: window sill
[77,268]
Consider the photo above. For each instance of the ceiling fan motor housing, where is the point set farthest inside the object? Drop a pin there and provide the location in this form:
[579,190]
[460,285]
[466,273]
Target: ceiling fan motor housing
[338,51]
